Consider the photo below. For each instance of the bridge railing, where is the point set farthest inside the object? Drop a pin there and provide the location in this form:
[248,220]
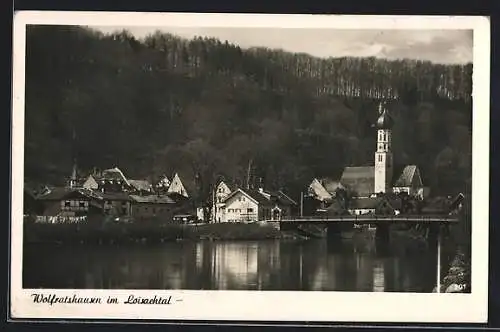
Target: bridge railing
[375,218]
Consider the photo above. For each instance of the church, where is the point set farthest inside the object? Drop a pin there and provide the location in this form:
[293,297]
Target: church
[367,181]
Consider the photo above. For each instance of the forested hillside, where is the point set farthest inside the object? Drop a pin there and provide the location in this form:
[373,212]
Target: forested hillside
[210,108]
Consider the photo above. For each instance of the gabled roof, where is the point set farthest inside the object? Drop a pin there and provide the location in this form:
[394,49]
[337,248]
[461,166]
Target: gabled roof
[177,186]
[330,184]
[229,184]
[285,199]
[317,191]
[360,179]
[141,185]
[254,195]
[152,199]
[409,176]
[113,174]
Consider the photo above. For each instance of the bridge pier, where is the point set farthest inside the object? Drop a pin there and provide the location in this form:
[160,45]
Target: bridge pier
[382,237]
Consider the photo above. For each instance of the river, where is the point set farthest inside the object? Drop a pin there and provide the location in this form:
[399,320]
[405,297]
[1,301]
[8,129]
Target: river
[313,265]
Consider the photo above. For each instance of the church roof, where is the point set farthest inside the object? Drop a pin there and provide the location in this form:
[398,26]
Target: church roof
[409,174]
[360,179]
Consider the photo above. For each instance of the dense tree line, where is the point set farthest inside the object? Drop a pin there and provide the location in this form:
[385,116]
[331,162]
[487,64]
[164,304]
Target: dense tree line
[212,109]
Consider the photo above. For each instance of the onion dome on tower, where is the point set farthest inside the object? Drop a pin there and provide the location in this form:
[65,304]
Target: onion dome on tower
[384,120]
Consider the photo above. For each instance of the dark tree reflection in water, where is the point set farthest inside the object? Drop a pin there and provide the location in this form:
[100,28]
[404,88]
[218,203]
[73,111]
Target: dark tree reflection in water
[313,265]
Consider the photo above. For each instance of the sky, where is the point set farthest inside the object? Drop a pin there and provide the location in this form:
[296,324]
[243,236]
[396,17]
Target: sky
[438,46]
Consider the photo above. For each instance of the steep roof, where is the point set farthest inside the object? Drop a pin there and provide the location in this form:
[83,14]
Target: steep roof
[152,199]
[318,191]
[113,174]
[330,184]
[177,186]
[255,195]
[359,179]
[285,199]
[228,183]
[141,185]
[409,176]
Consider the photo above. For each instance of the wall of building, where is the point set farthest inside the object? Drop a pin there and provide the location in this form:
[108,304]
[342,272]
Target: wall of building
[117,208]
[146,210]
[240,208]
[68,207]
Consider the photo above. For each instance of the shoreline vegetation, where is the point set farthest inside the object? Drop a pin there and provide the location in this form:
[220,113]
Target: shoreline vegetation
[149,233]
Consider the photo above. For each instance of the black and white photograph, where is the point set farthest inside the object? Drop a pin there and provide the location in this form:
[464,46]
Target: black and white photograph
[213,165]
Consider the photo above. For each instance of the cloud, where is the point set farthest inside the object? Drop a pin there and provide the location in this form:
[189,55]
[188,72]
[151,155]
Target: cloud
[439,46]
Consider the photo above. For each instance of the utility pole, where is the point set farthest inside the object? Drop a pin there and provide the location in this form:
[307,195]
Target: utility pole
[301,203]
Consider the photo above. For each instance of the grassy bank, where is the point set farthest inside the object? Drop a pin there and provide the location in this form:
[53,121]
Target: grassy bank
[150,232]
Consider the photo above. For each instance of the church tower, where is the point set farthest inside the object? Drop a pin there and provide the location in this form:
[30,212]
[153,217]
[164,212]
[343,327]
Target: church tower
[383,155]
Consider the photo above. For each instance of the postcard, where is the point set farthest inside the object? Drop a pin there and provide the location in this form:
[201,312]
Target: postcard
[244,167]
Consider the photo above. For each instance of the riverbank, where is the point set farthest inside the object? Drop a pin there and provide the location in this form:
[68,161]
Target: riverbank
[152,233]
[456,262]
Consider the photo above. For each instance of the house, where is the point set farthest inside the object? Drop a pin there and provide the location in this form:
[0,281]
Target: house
[255,205]
[90,183]
[410,182]
[221,192]
[177,186]
[69,202]
[318,191]
[116,203]
[152,206]
[111,180]
[141,187]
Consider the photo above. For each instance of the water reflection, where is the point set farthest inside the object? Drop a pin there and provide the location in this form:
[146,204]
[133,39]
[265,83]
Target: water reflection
[313,265]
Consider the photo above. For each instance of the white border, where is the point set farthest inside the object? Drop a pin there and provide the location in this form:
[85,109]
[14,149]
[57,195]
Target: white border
[270,306]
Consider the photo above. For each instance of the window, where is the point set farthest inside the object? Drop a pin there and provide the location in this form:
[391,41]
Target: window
[249,210]
[67,203]
[380,158]
[82,204]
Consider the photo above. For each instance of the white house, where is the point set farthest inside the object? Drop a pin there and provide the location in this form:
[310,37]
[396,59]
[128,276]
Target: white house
[90,183]
[176,186]
[221,192]
[255,205]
